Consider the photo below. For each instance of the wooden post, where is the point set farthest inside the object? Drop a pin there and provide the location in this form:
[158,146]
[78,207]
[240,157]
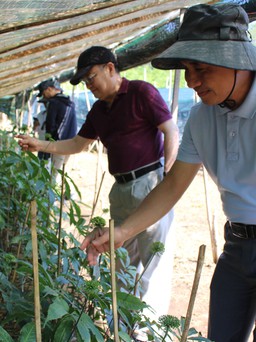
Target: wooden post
[97,196]
[175,96]
[211,223]
[113,278]
[176,86]
[35,272]
[60,219]
[200,262]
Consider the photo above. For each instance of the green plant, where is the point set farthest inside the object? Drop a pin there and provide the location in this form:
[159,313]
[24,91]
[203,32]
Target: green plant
[75,298]
[75,301]
[173,327]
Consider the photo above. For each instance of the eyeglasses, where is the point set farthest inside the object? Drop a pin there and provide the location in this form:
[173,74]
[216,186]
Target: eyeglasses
[89,79]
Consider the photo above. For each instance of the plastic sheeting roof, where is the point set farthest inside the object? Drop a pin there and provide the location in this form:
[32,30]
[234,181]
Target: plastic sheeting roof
[43,38]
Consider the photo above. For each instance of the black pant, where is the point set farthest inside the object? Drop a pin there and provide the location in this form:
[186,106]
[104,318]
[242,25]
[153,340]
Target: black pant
[233,291]
[43,155]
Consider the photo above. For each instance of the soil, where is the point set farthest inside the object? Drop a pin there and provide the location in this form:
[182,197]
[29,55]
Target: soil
[192,231]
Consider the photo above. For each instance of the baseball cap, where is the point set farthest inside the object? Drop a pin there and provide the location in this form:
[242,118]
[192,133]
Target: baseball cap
[45,84]
[93,56]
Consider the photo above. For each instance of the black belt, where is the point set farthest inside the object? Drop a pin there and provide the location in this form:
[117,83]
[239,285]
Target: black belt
[129,176]
[243,231]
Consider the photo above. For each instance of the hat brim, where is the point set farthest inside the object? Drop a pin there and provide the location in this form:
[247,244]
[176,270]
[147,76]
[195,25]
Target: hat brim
[79,74]
[237,55]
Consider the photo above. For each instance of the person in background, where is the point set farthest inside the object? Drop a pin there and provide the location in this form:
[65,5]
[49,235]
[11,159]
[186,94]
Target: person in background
[220,61]
[135,125]
[39,130]
[60,122]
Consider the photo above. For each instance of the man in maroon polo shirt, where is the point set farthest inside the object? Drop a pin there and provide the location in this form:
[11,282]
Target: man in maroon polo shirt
[135,125]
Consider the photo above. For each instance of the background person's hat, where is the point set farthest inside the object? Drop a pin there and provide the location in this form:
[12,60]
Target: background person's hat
[46,84]
[214,35]
[90,57]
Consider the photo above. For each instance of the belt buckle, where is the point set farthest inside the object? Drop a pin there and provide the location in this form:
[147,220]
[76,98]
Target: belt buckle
[243,235]
[123,178]
[126,177]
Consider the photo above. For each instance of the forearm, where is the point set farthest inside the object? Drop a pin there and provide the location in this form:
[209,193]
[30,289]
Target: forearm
[171,142]
[160,200]
[62,147]
[154,206]
[171,146]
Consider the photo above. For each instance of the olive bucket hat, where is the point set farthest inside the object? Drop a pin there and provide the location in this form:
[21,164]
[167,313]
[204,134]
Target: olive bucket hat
[212,34]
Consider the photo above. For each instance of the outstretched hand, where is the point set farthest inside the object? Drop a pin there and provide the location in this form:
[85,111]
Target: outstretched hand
[27,143]
[97,242]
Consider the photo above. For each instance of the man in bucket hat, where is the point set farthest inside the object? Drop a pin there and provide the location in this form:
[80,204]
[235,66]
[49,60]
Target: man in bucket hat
[220,62]
[135,125]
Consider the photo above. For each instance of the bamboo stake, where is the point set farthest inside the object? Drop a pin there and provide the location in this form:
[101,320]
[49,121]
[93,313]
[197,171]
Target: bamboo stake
[175,96]
[200,262]
[99,158]
[97,196]
[60,220]
[113,279]
[212,225]
[176,85]
[136,284]
[35,271]
[19,245]
[215,243]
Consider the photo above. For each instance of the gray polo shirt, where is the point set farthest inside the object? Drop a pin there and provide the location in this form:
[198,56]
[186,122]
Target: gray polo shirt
[225,142]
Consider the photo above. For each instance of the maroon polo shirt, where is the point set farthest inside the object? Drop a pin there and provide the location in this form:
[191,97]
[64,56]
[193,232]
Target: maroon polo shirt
[128,129]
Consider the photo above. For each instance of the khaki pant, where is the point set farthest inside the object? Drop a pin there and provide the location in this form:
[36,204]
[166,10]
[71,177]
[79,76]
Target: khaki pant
[57,162]
[156,281]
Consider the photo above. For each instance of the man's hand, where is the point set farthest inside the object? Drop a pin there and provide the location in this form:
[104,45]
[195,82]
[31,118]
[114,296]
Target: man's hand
[27,143]
[97,242]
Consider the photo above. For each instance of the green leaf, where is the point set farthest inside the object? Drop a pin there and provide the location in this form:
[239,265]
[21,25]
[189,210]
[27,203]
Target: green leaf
[4,336]
[40,185]
[124,336]
[85,323]
[83,331]
[50,291]
[64,329]
[28,333]
[130,302]
[12,160]
[127,317]
[4,281]
[44,276]
[29,167]
[192,331]
[57,309]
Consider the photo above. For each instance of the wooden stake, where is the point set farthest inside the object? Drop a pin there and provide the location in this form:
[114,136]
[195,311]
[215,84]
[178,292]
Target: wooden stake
[176,85]
[97,196]
[60,219]
[175,96]
[214,240]
[200,262]
[35,271]
[113,278]
[211,224]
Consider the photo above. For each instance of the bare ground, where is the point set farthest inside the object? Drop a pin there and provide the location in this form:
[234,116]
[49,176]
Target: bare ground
[192,231]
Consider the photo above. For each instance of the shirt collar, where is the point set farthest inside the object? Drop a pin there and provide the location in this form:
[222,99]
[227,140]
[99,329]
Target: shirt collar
[247,109]
[123,87]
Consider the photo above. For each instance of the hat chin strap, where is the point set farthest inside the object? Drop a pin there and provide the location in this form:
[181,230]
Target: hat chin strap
[230,103]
